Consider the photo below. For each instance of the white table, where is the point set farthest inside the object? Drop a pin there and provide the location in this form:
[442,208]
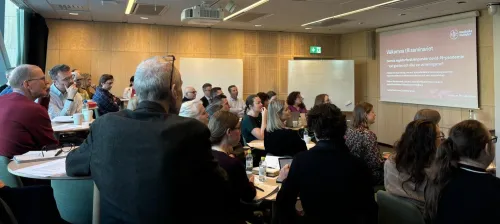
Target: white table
[70,127]
[13,166]
[259,144]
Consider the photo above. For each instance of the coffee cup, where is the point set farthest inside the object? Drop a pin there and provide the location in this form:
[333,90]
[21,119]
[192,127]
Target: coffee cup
[77,119]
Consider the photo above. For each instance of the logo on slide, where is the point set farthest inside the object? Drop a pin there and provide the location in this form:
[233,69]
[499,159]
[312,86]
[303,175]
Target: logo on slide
[454,34]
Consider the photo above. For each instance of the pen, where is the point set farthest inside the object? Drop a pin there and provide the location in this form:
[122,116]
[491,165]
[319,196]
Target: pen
[58,152]
[258,188]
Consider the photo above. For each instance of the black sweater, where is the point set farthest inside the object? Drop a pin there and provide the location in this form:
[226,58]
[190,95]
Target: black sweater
[334,187]
[284,142]
[472,196]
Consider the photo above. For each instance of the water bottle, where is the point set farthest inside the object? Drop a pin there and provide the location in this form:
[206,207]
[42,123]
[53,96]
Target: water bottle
[249,159]
[85,105]
[262,169]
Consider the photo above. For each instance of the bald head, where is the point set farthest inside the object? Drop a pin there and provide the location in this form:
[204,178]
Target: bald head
[190,92]
[23,73]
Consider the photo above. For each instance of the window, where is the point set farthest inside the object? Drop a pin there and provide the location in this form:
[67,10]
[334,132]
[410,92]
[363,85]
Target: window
[12,31]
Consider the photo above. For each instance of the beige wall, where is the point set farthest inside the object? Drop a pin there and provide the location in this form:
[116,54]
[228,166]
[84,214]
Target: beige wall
[393,117]
[117,48]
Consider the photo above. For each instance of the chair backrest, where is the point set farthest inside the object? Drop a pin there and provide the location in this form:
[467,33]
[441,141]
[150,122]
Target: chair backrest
[6,215]
[6,177]
[394,210]
[74,199]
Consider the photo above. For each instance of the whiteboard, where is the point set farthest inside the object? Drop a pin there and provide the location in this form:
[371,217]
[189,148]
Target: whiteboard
[219,72]
[332,77]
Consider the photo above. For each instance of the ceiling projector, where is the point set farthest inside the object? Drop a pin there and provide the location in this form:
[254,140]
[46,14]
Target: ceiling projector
[202,15]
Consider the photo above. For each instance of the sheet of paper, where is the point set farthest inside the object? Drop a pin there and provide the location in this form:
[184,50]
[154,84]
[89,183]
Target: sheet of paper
[273,162]
[32,156]
[49,169]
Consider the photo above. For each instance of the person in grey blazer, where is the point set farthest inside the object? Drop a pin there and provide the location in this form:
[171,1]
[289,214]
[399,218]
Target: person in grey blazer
[150,165]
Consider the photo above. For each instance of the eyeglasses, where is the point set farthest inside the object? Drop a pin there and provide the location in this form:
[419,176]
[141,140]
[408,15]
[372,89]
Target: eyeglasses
[172,59]
[494,139]
[41,78]
[194,92]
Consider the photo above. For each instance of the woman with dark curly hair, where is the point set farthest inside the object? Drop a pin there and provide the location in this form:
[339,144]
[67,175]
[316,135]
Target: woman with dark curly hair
[405,173]
[331,182]
[296,102]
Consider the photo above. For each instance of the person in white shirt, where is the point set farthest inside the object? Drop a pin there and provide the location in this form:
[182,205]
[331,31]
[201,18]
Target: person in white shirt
[129,91]
[64,97]
[237,106]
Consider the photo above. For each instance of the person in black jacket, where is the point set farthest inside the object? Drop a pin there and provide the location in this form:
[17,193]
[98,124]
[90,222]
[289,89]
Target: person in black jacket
[459,189]
[152,166]
[280,140]
[225,135]
[333,185]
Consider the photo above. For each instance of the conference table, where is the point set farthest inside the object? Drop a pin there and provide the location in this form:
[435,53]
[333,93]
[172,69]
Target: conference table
[70,127]
[14,169]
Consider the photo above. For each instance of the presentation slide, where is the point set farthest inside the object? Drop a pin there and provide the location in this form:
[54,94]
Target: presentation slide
[431,65]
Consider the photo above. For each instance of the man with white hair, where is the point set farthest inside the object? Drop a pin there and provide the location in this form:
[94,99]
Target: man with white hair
[194,109]
[189,94]
[25,124]
[6,88]
[150,165]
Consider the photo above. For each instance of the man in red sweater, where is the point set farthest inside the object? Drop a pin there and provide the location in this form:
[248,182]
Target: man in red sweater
[25,124]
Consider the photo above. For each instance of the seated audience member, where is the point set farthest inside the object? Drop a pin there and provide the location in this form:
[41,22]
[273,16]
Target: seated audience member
[153,170]
[459,189]
[207,94]
[237,106]
[221,100]
[79,82]
[34,204]
[129,91]
[194,109]
[272,95]
[212,109]
[64,97]
[295,103]
[216,91]
[6,86]
[264,98]
[280,140]
[321,99]
[225,135]
[405,172]
[189,94]
[334,186]
[105,100]
[26,125]
[89,87]
[363,143]
[428,114]
[254,122]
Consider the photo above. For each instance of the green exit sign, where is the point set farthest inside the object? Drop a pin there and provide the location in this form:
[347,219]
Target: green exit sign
[315,50]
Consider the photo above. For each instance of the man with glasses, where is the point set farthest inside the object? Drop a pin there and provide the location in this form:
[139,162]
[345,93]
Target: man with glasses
[207,94]
[25,124]
[151,165]
[64,97]
[189,94]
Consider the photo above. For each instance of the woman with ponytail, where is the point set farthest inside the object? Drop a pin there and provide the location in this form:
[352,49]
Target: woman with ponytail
[254,121]
[459,189]
[225,135]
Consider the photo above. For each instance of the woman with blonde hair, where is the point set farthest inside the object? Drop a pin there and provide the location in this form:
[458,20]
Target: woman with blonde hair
[87,84]
[225,135]
[362,142]
[280,140]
